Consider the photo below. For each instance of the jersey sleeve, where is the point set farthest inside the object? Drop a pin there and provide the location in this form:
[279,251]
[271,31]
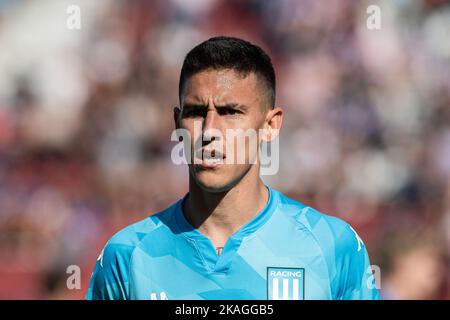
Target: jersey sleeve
[109,280]
[356,281]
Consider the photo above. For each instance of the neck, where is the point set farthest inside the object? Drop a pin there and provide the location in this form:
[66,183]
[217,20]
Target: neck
[220,215]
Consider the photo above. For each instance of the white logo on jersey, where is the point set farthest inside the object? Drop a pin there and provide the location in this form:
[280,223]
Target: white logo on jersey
[360,242]
[100,257]
[284,288]
[162,296]
[285,283]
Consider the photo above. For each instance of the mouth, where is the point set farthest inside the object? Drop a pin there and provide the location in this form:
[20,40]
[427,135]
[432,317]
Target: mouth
[211,159]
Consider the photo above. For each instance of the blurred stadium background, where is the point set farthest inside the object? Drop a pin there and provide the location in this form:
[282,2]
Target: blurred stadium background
[86,118]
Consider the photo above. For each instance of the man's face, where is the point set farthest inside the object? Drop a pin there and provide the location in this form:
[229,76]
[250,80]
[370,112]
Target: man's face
[215,103]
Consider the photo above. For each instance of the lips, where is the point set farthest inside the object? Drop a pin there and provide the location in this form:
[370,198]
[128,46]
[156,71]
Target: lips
[209,154]
[211,158]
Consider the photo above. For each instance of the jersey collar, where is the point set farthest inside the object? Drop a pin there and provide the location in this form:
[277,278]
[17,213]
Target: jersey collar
[250,227]
[208,255]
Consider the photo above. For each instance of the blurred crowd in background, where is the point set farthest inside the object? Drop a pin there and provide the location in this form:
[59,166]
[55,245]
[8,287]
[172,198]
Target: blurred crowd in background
[86,119]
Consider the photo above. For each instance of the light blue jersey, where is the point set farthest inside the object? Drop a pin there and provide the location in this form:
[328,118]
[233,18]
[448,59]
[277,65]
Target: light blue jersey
[287,251]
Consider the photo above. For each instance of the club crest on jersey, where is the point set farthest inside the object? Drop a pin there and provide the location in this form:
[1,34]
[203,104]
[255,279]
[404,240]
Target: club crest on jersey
[285,283]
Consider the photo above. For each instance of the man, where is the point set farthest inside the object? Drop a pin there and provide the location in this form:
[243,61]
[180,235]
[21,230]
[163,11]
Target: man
[231,236]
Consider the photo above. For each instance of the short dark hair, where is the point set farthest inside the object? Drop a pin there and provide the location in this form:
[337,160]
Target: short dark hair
[229,53]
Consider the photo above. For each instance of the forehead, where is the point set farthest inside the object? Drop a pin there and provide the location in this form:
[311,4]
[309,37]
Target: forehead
[221,86]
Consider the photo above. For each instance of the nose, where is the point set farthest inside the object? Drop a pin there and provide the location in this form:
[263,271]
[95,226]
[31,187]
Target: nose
[210,129]
[210,119]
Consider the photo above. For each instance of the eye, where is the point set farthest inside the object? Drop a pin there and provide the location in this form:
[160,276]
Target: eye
[228,111]
[193,113]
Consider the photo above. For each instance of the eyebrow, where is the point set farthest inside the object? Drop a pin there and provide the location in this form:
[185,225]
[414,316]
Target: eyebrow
[227,105]
[194,106]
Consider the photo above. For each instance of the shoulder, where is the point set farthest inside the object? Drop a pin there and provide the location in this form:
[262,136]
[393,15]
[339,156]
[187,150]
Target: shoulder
[110,279]
[119,248]
[341,248]
[331,233]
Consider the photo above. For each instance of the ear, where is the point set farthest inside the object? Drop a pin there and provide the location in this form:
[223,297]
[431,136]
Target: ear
[176,117]
[272,125]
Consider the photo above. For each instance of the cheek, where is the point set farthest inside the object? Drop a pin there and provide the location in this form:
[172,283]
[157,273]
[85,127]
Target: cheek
[193,129]
[188,124]
[249,121]
[245,140]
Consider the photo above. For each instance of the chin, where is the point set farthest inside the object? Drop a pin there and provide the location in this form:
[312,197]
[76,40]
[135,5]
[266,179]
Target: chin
[213,182]
[216,181]
[213,185]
